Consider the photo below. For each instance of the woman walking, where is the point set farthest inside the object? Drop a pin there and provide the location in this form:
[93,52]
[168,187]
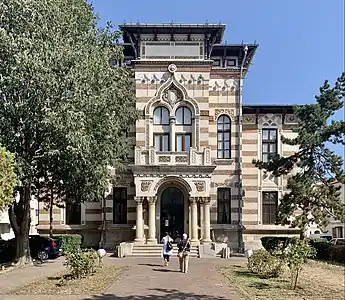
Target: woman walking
[183,253]
[167,248]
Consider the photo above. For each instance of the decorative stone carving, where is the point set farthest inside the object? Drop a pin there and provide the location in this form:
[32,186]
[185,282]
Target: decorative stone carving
[172,96]
[193,200]
[200,186]
[229,112]
[290,119]
[137,155]
[147,132]
[172,68]
[145,185]
[208,156]
[270,120]
[152,199]
[152,155]
[197,131]
[164,159]
[139,200]
[181,159]
[249,119]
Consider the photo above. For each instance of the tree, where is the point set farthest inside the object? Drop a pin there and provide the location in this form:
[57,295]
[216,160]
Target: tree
[64,109]
[7,178]
[314,168]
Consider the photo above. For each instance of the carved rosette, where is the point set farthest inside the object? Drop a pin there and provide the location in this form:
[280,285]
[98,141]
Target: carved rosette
[145,185]
[200,186]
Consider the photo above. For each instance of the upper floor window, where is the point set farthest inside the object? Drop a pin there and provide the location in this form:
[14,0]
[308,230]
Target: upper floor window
[224,206]
[161,116]
[119,205]
[223,136]
[269,144]
[73,213]
[183,116]
[269,207]
[183,141]
[161,141]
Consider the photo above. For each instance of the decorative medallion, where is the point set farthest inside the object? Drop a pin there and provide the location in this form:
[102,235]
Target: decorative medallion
[172,96]
[145,185]
[172,68]
[200,186]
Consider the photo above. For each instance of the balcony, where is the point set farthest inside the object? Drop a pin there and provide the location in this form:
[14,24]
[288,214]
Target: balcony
[158,158]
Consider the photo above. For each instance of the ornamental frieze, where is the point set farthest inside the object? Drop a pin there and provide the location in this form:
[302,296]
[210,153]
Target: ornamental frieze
[165,159]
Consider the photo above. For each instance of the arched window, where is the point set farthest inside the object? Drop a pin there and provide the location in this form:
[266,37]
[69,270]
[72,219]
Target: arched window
[183,116]
[223,136]
[161,116]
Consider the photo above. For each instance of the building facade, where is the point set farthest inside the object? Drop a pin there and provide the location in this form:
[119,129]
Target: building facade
[191,166]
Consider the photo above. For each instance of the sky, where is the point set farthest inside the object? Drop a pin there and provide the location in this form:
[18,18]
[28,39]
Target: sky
[301,42]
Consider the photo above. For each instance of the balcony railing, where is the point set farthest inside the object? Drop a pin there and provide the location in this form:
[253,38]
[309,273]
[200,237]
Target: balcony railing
[153,157]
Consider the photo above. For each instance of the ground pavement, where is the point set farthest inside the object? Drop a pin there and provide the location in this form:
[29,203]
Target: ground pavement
[146,279]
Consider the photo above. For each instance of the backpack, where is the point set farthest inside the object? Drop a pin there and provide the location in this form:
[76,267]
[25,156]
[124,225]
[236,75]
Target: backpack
[169,246]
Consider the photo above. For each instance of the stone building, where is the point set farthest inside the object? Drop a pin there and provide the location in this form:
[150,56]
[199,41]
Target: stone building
[191,167]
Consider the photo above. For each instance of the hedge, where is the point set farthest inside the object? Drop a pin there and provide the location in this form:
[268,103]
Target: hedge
[70,242]
[321,246]
[271,243]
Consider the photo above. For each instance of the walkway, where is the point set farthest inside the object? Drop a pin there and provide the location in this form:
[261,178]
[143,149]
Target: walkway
[148,280]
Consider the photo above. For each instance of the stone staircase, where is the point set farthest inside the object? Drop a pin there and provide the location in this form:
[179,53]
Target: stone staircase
[156,251]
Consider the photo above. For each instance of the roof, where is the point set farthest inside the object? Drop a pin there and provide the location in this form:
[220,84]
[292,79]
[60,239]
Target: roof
[215,30]
[267,108]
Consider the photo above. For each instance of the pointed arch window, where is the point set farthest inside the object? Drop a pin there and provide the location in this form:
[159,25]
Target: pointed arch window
[161,116]
[223,137]
[183,116]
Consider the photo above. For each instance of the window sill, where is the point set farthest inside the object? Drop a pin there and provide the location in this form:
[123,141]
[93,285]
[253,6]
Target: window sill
[225,161]
[172,152]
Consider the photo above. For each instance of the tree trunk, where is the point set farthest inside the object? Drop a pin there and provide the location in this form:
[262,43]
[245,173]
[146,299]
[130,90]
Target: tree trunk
[51,206]
[19,214]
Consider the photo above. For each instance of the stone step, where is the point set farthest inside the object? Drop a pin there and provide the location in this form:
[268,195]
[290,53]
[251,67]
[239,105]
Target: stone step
[147,250]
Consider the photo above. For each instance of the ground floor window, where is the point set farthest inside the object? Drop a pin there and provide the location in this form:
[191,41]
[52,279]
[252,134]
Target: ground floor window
[338,232]
[224,206]
[269,207]
[120,205]
[73,213]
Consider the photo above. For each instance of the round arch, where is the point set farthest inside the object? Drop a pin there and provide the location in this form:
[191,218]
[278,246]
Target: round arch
[172,181]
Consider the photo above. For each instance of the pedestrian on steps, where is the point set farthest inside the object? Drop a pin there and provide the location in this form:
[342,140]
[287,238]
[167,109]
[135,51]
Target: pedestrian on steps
[167,248]
[183,253]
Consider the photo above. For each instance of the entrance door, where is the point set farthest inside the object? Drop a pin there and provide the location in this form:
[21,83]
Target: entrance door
[172,213]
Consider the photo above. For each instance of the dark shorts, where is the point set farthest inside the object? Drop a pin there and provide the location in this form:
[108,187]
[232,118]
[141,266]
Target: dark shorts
[166,257]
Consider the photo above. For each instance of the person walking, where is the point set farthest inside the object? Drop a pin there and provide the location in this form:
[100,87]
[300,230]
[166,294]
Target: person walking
[183,253]
[167,248]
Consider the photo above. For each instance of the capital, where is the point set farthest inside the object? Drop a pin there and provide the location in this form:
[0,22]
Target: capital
[139,200]
[152,199]
[193,200]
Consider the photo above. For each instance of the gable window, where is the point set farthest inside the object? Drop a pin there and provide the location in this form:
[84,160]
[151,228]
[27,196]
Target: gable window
[269,144]
[183,141]
[231,62]
[224,206]
[269,207]
[161,141]
[183,116]
[223,137]
[73,213]
[161,116]
[119,205]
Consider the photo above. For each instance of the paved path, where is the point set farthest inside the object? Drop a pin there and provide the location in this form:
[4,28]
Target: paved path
[147,279]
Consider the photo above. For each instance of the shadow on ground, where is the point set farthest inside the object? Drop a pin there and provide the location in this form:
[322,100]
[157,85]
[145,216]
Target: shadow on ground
[158,294]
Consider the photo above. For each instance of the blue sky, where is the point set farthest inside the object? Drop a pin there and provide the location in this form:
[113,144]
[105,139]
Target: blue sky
[301,42]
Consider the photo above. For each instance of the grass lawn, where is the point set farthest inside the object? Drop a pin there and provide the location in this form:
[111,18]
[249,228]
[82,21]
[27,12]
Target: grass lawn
[318,280]
[59,285]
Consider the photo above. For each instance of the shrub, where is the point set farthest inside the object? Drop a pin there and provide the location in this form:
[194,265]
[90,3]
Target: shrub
[81,263]
[70,242]
[264,264]
[276,243]
[337,253]
[295,255]
[321,247]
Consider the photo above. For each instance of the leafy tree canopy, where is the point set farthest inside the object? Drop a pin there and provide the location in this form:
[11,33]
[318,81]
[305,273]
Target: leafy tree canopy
[64,109]
[7,178]
[314,168]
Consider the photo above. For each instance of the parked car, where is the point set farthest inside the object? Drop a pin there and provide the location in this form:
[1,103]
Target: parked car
[41,248]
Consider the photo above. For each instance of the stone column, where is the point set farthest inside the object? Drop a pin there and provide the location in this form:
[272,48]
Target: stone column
[202,221]
[207,220]
[194,215]
[139,232]
[152,220]
[172,134]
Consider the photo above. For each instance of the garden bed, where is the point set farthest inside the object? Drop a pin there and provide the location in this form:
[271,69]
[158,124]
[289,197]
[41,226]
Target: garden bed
[317,281]
[62,284]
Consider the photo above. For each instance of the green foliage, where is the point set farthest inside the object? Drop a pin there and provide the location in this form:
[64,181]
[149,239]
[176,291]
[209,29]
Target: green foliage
[337,253]
[264,264]
[295,256]
[275,243]
[321,246]
[70,242]
[312,188]
[7,178]
[81,263]
[64,110]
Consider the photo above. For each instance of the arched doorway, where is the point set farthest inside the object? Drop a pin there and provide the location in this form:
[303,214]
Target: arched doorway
[172,212]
